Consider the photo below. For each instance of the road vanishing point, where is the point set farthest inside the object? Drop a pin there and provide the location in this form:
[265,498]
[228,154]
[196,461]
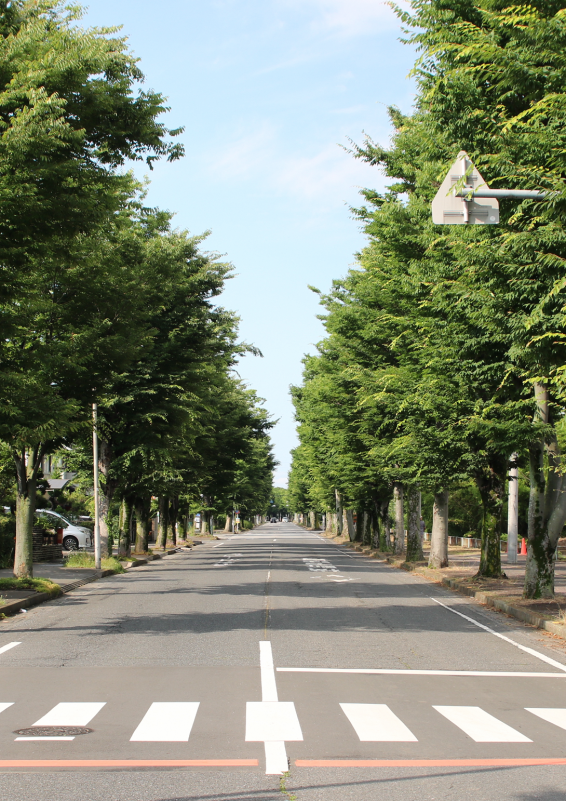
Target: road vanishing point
[271,664]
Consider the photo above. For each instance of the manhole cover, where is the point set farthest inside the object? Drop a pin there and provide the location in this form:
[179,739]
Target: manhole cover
[53,731]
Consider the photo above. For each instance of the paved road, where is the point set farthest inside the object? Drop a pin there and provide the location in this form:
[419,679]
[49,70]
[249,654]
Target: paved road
[203,676]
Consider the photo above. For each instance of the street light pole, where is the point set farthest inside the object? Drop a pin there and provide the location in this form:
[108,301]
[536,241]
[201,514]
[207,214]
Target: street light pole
[97,554]
[513,512]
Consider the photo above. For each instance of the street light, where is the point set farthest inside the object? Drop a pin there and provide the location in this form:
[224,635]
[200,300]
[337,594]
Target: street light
[465,198]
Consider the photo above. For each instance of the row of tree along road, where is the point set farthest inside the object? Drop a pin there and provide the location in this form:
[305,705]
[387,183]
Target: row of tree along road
[102,301]
[445,346]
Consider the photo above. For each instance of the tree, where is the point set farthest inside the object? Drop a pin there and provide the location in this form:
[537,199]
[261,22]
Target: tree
[68,118]
[506,66]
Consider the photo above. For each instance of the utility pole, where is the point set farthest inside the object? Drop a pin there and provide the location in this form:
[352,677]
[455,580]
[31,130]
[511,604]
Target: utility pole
[513,512]
[97,555]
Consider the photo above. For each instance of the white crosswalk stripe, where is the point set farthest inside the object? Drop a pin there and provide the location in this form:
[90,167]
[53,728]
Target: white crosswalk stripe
[480,725]
[70,714]
[167,722]
[376,723]
[555,716]
[65,714]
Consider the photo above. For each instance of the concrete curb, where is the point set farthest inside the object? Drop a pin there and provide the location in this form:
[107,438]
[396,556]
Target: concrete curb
[483,597]
[40,597]
[24,603]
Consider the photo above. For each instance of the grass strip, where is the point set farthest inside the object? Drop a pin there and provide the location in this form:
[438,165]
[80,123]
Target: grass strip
[84,559]
[36,584]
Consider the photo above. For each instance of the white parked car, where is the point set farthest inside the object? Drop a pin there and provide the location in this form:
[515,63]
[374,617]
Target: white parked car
[285,520]
[71,536]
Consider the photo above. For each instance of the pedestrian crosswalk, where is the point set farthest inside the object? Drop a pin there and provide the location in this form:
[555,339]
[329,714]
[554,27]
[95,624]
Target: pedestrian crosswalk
[275,721]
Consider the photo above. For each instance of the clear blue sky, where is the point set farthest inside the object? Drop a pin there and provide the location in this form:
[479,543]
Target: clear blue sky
[267,90]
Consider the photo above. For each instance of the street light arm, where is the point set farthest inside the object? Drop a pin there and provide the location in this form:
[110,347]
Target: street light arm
[517,194]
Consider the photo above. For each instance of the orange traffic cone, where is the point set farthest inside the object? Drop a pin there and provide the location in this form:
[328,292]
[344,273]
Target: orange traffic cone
[523,547]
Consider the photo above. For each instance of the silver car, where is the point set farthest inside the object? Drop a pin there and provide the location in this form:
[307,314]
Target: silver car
[73,537]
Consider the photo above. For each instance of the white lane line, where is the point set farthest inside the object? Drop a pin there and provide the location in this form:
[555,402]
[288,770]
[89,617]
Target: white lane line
[555,716]
[268,685]
[4,706]
[270,720]
[480,725]
[376,723]
[386,671]
[167,722]
[276,761]
[7,647]
[538,655]
[70,714]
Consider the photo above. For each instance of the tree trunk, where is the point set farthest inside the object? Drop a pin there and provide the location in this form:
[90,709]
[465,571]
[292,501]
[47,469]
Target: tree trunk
[358,526]
[349,525]
[367,529]
[439,537]
[108,487]
[163,523]
[414,545]
[399,518]
[28,463]
[491,486]
[143,508]
[122,516]
[339,513]
[547,504]
[229,523]
[173,517]
[125,544]
[384,541]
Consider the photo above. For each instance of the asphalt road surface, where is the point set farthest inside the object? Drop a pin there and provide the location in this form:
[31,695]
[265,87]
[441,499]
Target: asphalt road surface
[274,664]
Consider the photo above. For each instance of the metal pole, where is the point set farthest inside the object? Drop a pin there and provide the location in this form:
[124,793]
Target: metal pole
[97,554]
[513,512]
[517,194]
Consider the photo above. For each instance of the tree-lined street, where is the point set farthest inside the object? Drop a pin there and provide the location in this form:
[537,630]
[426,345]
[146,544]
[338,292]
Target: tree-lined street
[172,663]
